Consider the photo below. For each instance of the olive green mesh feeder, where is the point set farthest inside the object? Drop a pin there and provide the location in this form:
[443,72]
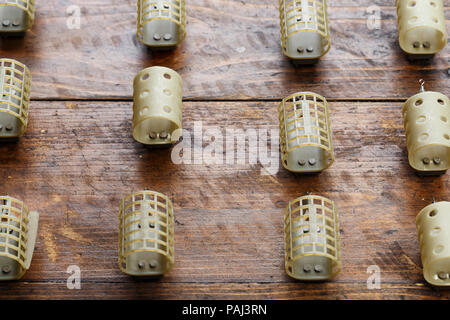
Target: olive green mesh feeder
[16,16]
[305,134]
[305,35]
[157,107]
[426,117]
[15,83]
[18,231]
[433,227]
[312,245]
[146,236]
[161,23]
[421,27]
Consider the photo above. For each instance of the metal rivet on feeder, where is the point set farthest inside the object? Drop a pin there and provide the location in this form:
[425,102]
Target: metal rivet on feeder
[433,226]
[305,35]
[18,231]
[421,27]
[157,108]
[426,117]
[146,251]
[312,255]
[305,134]
[15,83]
[16,16]
[161,23]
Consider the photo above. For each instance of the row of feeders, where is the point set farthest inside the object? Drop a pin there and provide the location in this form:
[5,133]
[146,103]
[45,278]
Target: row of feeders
[18,226]
[161,23]
[18,231]
[304,26]
[311,227]
[146,236]
[305,31]
[15,84]
[421,27]
[16,16]
[426,118]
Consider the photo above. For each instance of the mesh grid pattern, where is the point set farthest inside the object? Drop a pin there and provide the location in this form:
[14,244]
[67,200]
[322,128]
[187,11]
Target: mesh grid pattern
[146,223]
[173,10]
[303,119]
[15,84]
[14,226]
[26,5]
[311,227]
[304,15]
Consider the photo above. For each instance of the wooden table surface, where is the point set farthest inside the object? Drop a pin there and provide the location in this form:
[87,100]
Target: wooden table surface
[78,158]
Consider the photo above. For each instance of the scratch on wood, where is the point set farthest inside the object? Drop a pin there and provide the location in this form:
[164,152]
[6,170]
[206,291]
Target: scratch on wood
[73,235]
[49,243]
[268,175]
[71,105]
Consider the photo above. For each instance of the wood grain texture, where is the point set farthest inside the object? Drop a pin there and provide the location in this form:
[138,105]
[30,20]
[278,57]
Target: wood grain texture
[232,51]
[78,159]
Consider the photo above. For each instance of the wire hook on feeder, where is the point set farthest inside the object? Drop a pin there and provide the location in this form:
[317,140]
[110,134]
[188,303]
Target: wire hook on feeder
[422,85]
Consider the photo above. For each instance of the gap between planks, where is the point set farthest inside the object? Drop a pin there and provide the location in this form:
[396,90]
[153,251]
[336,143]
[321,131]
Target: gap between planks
[352,100]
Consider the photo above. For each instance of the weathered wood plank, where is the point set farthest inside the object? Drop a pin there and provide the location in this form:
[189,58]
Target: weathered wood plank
[223,291]
[231,52]
[78,159]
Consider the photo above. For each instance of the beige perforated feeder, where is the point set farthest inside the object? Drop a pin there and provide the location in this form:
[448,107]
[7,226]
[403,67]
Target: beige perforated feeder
[421,27]
[157,108]
[161,23]
[433,226]
[312,244]
[146,236]
[305,35]
[305,134]
[15,83]
[18,231]
[16,16]
[426,117]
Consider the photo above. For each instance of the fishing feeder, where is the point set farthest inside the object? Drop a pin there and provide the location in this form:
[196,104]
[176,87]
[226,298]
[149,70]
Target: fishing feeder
[146,235]
[305,134]
[161,23]
[305,34]
[433,226]
[312,245]
[421,27]
[157,108]
[15,83]
[426,117]
[18,231]
[16,16]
